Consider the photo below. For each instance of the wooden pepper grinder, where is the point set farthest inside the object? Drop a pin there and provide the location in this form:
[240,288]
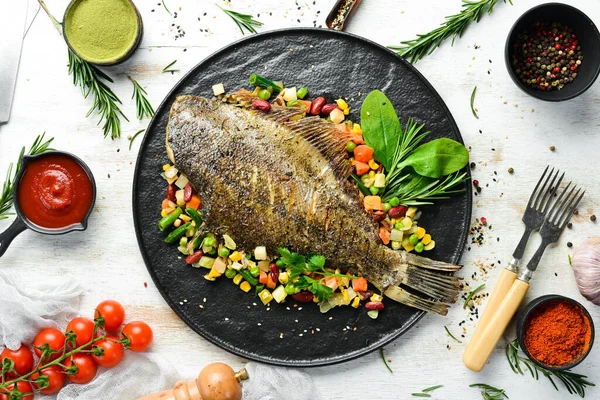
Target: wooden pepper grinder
[216,381]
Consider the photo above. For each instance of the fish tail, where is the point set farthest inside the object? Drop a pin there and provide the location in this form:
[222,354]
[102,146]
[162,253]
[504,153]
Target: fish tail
[402,296]
[445,288]
[428,263]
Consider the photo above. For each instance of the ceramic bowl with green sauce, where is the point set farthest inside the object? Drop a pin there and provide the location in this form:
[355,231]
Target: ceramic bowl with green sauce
[103,32]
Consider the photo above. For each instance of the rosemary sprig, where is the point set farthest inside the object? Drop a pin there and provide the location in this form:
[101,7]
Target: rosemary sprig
[450,334]
[243,21]
[134,136]
[165,6]
[453,27]
[106,102]
[573,382]
[384,360]
[473,101]
[489,392]
[418,190]
[471,294]
[167,68]
[142,105]
[6,196]
[432,388]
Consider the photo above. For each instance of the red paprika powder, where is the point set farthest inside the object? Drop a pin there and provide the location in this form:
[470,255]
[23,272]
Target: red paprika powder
[557,333]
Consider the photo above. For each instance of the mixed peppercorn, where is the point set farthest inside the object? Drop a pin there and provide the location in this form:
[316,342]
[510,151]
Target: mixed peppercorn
[547,56]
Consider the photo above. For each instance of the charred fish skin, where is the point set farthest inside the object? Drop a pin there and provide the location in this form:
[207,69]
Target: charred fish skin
[266,183]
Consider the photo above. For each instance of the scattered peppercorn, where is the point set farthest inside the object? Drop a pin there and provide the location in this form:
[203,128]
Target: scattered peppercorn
[569,225]
[593,218]
[472,165]
[552,148]
[569,244]
[575,211]
[511,170]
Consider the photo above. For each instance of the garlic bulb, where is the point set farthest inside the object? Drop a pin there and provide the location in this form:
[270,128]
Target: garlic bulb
[586,266]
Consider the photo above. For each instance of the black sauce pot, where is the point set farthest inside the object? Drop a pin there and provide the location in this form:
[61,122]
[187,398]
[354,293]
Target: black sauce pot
[21,222]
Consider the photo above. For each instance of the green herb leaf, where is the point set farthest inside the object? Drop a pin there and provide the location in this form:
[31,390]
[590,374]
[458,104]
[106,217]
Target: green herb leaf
[317,261]
[437,158]
[489,392]
[243,21]
[420,394]
[143,106]
[167,68]
[432,388]
[471,294]
[450,334]
[381,127]
[384,360]
[473,101]
[134,136]
[165,6]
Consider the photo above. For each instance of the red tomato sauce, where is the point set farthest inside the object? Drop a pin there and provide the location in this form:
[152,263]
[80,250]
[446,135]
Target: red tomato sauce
[55,192]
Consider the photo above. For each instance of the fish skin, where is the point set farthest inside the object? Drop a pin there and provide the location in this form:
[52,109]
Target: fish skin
[266,185]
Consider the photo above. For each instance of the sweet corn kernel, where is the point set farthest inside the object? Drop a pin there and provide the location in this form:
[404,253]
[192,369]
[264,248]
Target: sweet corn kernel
[376,297]
[345,295]
[283,277]
[237,279]
[420,232]
[347,111]
[163,213]
[407,245]
[373,164]
[166,167]
[372,174]
[214,273]
[245,286]
[342,104]
[315,300]
[351,159]
[236,256]
[265,296]
[426,239]
[356,302]
[356,129]
[186,218]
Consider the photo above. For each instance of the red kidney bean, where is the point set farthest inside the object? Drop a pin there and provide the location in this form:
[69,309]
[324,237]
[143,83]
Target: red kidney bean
[262,105]
[171,189]
[274,269]
[365,295]
[195,257]
[378,216]
[316,106]
[397,212]
[187,193]
[303,296]
[328,108]
[374,305]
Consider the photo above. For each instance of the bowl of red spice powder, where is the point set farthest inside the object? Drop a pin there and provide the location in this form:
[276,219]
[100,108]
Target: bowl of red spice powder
[555,332]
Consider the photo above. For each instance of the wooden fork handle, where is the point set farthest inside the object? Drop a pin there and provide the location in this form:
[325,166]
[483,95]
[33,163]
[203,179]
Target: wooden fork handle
[480,350]
[502,287]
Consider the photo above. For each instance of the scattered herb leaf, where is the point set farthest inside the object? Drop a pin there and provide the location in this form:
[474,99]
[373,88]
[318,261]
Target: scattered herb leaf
[165,6]
[142,105]
[570,260]
[243,21]
[420,394]
[437,158]
[489,392]
[6,196]
[166,69]
[384,360]
[134,136]
[450,334]
[473,101]
[432,388]
[472,293]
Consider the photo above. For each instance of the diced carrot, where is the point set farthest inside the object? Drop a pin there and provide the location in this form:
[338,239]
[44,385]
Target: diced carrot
[357,138]
[331,282]
[384,234]
[361,167]
[165,204]
[307,104]
[359,284]
[169,210]
[363,153]
[195,202]
[270,283]
[373,203]
[263,277]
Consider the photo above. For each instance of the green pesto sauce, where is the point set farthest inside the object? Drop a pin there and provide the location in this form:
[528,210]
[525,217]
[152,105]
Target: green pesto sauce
[101,30]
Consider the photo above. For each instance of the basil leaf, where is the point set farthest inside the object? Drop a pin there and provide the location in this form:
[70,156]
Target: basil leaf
[437,158]
[381,127]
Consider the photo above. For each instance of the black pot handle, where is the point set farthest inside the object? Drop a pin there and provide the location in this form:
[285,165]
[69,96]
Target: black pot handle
[8,235]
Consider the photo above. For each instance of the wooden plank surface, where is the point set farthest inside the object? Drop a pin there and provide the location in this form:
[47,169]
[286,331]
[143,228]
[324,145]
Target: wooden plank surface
[513,131]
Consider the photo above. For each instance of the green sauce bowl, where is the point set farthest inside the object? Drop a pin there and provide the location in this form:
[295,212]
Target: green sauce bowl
[103,32]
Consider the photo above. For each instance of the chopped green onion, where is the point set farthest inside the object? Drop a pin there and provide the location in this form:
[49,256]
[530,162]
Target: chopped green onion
[169,219]
[301,93]
[361,186]
[255,271]
[374,190]
[174,236]
[264,94]
[248,276]
[261,81]
[292,103]
[259,288]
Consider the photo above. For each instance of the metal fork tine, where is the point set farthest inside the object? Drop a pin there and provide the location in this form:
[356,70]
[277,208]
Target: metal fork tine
[556,217]
[566,215]
[547,205]
[556,204]
[547,191]
[531,199]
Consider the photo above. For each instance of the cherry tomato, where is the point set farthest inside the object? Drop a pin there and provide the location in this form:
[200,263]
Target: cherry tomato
[113,314]
[83,328]
[22,357]
[22,387]
[113,352]
[56,379]
[86,368]
[139,335]
[55,340]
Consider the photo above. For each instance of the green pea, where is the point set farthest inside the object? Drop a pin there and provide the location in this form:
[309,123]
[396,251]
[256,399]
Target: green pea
[413,239]
[302,92]
[374,190]
[230,273]
[292,103]
[279,263]
[255,271]
[394,201]
[264,94]
[224,252]
[350,146]
[419,247]
[387,207]
[290,289]
[209,241]
[399,226]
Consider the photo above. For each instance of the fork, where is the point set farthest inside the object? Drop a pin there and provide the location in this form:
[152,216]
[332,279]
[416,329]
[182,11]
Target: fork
[537,206]
[552,227]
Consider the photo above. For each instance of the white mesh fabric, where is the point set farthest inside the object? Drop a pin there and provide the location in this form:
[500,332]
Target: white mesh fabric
[276,383]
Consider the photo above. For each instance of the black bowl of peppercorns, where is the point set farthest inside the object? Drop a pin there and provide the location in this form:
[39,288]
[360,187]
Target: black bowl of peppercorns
[553,52]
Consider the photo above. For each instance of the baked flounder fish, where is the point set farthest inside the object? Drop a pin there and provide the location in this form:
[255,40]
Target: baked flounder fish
[268,181]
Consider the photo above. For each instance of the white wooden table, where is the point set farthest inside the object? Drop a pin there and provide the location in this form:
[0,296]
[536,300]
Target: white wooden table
[514,130]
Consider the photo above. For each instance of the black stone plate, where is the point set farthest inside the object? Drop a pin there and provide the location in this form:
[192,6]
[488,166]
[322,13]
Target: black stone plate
[330,64]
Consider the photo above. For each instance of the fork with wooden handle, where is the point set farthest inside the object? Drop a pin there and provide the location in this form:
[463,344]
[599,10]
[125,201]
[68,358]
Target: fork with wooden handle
[558,217]
[539,202]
